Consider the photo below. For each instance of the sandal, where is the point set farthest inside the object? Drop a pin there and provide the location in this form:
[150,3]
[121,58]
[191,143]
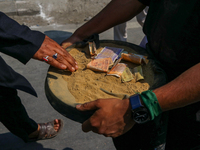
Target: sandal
[47,131]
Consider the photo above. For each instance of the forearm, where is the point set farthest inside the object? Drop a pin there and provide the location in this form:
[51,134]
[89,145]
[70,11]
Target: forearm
[17,40]
[116,12]
[182,91]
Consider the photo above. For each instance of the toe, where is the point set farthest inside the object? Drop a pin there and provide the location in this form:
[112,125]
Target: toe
[57,124]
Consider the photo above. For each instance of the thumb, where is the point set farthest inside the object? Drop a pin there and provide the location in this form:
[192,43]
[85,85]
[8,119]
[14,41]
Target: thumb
[65,44]
[87,106]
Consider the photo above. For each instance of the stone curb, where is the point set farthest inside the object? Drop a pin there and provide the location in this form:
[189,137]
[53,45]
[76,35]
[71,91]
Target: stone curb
[20,8]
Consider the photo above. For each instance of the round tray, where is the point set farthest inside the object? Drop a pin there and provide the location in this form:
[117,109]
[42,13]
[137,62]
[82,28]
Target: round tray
[64,102]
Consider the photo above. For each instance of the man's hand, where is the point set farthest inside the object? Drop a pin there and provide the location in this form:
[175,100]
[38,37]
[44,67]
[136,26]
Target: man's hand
[112,117]
[63,61]
[71,40]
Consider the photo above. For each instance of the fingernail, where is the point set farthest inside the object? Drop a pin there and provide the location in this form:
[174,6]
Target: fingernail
[76,62]
[63,66]
[78,106]
[73,68]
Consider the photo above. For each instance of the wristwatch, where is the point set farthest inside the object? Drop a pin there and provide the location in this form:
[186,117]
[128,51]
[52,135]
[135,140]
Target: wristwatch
[140,113]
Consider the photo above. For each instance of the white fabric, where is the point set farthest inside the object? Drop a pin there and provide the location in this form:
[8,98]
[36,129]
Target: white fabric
[120,32]
[142,16]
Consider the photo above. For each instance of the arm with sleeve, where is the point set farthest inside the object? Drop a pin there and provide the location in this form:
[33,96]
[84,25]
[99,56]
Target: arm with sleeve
[20,42]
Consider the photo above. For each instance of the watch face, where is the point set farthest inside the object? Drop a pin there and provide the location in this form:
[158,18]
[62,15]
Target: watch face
[141,116]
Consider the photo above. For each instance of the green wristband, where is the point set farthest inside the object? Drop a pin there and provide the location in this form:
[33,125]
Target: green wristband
[150,100]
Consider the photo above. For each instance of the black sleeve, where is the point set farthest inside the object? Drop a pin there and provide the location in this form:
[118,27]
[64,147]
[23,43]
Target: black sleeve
[18,40]
[145,2]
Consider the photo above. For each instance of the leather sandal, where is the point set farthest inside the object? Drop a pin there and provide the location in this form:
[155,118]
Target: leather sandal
[47,131]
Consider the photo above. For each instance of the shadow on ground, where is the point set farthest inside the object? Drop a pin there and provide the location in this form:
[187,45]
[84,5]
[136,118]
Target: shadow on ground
[18,144]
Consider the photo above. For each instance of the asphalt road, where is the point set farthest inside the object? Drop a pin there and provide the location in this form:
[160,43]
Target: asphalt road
[39,109]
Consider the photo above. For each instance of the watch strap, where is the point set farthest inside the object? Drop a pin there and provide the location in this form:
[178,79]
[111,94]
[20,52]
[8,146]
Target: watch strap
[135,101]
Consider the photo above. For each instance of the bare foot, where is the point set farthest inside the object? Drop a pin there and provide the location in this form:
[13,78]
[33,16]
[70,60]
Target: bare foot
[36,133]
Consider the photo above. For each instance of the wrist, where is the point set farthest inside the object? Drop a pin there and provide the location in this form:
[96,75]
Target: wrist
[149,99]
[80,36]
[140,114]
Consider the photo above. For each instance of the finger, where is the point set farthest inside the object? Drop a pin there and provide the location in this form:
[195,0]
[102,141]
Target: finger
[65,58]
[89,126]
[113,133]
[53,62]
[50,47]
[61,63]
[87,106]
[86,126]
[65,44]
[70,59]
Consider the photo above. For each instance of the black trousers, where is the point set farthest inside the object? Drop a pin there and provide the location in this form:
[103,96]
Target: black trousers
[146,136]
[13,114]
[181,133]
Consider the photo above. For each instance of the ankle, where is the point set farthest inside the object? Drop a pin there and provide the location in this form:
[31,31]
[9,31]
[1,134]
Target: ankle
[35,133]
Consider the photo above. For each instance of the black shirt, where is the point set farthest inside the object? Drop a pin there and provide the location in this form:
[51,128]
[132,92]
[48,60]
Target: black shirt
[173,32]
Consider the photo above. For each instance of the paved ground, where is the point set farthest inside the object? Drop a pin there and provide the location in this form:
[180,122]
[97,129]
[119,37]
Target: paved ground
[71,137]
